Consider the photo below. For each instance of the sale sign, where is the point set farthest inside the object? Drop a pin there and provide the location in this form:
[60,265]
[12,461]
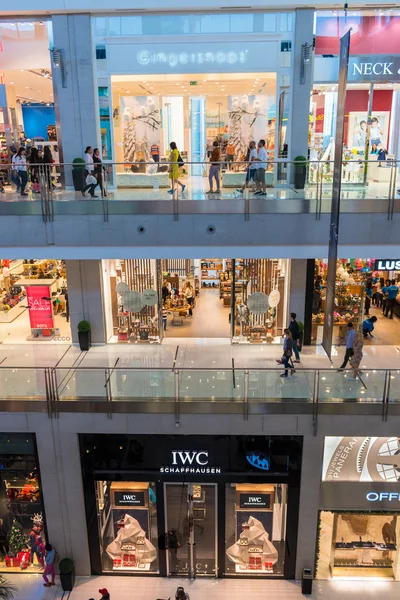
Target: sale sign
[40,306]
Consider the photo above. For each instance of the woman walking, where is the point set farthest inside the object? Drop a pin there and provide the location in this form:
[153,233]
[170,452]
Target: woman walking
[356,358]
[21,169]
[287,352]
[98,171]
[34,168]
[48,165]
[173,173]
[90,185]
[214,168]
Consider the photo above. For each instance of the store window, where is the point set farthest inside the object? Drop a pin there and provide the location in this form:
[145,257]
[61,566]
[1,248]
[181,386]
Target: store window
[358,544]
[22,528]
[34,301]
[127,519]
[255,524]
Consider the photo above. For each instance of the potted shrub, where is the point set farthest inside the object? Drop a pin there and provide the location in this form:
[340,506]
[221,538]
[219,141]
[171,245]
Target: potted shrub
[67,574]
[300,172]
[84,336]
[78,173]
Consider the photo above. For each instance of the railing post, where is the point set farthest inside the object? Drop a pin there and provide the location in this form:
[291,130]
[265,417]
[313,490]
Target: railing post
[107,374]
[177,400]
[315,402]
[246,395]
[48,393]
[386,394]
[54,387]
[246,206]
[42,187]
[318,193]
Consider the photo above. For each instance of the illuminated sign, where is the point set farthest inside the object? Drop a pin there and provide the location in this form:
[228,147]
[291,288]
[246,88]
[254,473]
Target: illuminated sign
[381,496]
[174,59]
[387,264]
[191,462]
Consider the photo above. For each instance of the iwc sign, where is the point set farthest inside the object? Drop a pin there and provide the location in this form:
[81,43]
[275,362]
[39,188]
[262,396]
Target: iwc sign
[191,462]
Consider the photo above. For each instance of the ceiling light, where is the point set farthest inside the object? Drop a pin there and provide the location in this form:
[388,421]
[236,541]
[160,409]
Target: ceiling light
[11,83]
[22,70]
[127,91]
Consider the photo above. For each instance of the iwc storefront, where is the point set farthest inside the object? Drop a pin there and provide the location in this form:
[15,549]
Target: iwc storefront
[192,505]
[359,525]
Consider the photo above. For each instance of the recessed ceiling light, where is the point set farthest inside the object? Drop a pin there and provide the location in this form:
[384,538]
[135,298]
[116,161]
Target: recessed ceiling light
[51,94]
[127,91]
[11,83]
[22,70]
[26,87]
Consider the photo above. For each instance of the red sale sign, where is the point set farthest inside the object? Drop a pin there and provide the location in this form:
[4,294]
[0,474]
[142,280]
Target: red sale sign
[40,306]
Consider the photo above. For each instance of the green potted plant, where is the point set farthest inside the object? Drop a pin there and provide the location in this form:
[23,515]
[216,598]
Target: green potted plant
[67,574]
[84,336]
[78,173]
[300,172]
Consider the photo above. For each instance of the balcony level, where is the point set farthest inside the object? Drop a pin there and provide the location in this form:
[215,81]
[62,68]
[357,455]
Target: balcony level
[286,222]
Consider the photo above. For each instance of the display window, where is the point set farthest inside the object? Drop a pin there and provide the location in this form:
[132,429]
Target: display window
[192,505]
[27,115]
[255,528]
[147,300]
[34,303]
[361,292]
[127,514]
[22,527]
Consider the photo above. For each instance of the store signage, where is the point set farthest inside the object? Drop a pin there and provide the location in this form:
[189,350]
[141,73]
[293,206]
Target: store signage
[189,461]
[174,59]
[129,498]
[259,460]
[387,264]
[149,297]
[274,298]
[257,303]
[383,68]
[255,500]
[132,301]
[40,307]
[381,496]
[361,459]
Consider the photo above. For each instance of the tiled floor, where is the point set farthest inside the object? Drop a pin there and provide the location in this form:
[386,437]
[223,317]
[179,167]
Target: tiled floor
[30,587]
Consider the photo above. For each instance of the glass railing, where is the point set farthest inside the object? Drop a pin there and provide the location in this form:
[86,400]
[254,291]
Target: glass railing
[66,389]
[226,187]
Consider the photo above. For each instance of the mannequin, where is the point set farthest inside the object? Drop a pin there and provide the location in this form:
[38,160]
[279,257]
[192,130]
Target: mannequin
[243,313]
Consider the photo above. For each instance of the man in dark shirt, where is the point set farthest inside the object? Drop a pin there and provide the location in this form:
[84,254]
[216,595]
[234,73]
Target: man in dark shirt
[295,331]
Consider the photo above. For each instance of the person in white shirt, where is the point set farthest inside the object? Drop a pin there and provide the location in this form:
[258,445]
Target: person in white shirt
[21,170]
[261,168]
[89,171]
[251,169]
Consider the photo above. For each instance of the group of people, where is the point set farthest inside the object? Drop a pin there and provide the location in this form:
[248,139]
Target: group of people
[257,158]
[291,341]
[23,165]
[93,173]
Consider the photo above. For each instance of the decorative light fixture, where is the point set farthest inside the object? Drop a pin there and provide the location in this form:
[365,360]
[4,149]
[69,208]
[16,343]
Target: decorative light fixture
[306,54]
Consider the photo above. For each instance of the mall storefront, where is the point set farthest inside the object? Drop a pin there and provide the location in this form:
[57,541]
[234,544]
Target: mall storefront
[192,505]
[231,84]
[359,523]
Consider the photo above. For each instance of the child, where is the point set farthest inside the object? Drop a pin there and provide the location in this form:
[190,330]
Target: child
[164,317]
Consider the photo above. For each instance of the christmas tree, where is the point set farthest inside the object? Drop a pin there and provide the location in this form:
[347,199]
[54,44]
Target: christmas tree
[18,539]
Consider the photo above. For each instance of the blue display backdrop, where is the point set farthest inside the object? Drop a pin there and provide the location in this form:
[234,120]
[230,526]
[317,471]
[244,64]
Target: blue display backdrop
[36,120]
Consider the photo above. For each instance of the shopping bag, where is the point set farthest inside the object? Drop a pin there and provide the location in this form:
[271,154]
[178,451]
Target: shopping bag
[90,180]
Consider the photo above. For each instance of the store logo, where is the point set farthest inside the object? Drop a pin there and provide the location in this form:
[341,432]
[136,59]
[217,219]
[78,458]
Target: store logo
[387,265]
[258,460]
[173,59]
[189,461]
[390,496]
[369,68]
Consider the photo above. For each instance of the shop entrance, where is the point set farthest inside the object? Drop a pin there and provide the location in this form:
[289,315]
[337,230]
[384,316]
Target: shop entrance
[191,525]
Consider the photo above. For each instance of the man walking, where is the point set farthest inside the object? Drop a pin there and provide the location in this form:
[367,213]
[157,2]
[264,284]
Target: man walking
[351,334]
[261,168]
[295,331]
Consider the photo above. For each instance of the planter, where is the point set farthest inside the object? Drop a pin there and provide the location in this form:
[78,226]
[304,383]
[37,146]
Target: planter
[300,173]
[85,340]
[67,574]
[78,177]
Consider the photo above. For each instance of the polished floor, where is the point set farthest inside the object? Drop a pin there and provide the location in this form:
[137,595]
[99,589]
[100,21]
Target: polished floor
[30,587]
[210,318]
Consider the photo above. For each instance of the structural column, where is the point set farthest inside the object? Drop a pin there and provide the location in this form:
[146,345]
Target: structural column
[74,89]
[298,273]
[309,502]
[301,91]
[85,296]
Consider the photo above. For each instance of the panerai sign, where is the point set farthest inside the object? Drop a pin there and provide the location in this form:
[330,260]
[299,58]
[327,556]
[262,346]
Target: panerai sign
[383,68]
[190,461]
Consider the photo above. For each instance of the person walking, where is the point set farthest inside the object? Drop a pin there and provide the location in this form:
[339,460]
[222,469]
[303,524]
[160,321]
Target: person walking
[172,545]
[173,172]
[356,358]
[251,168]
[384,293]
[392,293]
[49,559]
[261,160]
[34,167]
[287,352]
[105,594]
[378,294]
[21,169]
[90,185]
[98,171]
[351,334]
[295,331]
[189,293]
[368,297]
[14,173]
[48,166]
[214,168]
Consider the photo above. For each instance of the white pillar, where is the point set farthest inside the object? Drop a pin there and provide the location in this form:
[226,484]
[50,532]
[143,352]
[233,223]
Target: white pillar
[298,276]
[85,295]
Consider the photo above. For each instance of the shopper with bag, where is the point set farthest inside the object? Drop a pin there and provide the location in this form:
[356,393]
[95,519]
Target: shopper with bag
[98,171]
[287,352]
[90,180]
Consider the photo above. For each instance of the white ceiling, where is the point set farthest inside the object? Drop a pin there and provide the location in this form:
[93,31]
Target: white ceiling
[29,86]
